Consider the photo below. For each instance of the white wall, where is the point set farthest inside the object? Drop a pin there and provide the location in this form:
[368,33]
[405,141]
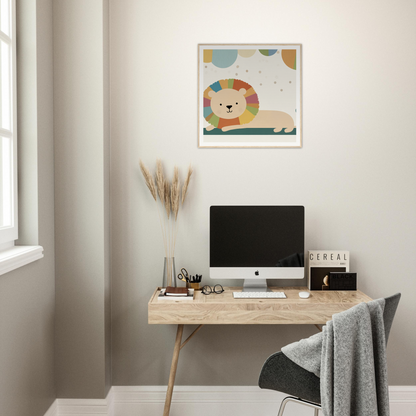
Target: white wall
[355,174]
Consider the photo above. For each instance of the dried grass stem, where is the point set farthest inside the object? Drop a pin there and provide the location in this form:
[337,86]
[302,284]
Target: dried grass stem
[170,198]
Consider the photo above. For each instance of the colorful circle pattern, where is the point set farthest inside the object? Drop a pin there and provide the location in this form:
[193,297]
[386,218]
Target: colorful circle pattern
[268,52]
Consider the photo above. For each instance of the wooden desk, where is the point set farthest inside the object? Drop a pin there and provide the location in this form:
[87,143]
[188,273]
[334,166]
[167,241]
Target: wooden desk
[220,309]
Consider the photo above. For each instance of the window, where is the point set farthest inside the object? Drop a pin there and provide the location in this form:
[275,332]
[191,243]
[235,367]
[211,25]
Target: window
[11,256]
[8,145]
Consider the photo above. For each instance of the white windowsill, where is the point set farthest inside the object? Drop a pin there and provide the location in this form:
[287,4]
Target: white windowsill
[18,256]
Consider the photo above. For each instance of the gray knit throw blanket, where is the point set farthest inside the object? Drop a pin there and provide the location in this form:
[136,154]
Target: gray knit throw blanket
[349,356]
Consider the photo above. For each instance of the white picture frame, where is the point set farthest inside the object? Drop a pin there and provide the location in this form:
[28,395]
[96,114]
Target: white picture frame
[249,95]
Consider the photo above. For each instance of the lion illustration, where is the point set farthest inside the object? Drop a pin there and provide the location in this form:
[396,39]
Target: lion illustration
[233,104]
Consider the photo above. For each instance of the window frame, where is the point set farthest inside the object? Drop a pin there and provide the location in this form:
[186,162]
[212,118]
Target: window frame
[9,233]
[14,256]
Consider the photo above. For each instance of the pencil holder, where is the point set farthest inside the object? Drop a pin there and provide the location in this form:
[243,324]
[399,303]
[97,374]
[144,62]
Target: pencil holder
[195,286]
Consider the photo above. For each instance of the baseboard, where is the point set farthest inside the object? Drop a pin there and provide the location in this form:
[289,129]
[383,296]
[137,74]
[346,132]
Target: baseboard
[402,400]
[196,400]
[83,407]
[205,401]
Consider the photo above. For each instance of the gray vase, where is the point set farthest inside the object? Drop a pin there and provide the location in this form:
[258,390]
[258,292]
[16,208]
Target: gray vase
[169,272]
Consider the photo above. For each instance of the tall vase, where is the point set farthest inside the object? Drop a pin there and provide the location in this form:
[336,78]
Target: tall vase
[169,272]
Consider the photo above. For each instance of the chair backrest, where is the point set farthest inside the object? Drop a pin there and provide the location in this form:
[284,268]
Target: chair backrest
[389,312]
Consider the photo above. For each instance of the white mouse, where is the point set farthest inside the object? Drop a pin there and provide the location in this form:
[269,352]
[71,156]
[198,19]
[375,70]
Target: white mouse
[304,295]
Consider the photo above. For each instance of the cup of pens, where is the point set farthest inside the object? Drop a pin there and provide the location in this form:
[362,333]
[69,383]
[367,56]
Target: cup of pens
[192,282]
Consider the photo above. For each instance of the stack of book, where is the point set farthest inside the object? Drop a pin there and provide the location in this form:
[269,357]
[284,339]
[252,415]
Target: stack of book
[176,293]
[322,263]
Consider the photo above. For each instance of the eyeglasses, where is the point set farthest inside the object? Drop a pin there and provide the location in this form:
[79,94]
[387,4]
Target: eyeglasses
[207,290]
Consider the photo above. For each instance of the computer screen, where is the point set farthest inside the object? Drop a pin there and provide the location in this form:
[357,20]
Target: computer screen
[256,242]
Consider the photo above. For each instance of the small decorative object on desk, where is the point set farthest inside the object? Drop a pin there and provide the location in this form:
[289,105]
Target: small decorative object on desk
[170,198]
[169,294]
[168,271]
[191,281]
[217,289]
[176,291]
[323,262]
[195,282]
[342,281]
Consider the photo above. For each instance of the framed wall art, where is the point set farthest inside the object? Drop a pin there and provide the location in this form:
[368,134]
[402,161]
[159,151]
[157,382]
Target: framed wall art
[249,95]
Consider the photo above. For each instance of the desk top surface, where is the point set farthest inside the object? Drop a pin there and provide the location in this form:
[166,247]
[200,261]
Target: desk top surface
[218,309]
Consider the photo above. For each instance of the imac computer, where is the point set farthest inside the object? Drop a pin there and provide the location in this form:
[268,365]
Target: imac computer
[256,242]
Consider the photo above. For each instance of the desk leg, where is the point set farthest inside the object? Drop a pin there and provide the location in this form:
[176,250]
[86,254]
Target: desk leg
[173,368]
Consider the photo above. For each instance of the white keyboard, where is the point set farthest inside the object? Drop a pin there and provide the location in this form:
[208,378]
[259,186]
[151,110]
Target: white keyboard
[259,295]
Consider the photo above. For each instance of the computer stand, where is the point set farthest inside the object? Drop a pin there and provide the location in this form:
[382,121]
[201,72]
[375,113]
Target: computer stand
[255,285]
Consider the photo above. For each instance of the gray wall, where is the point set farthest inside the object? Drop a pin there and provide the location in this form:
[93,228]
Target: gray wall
[82,198]
[355,174]
[27,295]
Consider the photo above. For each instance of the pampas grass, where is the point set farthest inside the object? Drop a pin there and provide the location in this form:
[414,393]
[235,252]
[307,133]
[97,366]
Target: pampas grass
[186,183]
[166,200]
[174,193]
[170,201]
[160,181]
[148,179]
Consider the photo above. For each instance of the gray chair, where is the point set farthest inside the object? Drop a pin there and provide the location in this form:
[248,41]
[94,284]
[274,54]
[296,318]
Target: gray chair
[281,374]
